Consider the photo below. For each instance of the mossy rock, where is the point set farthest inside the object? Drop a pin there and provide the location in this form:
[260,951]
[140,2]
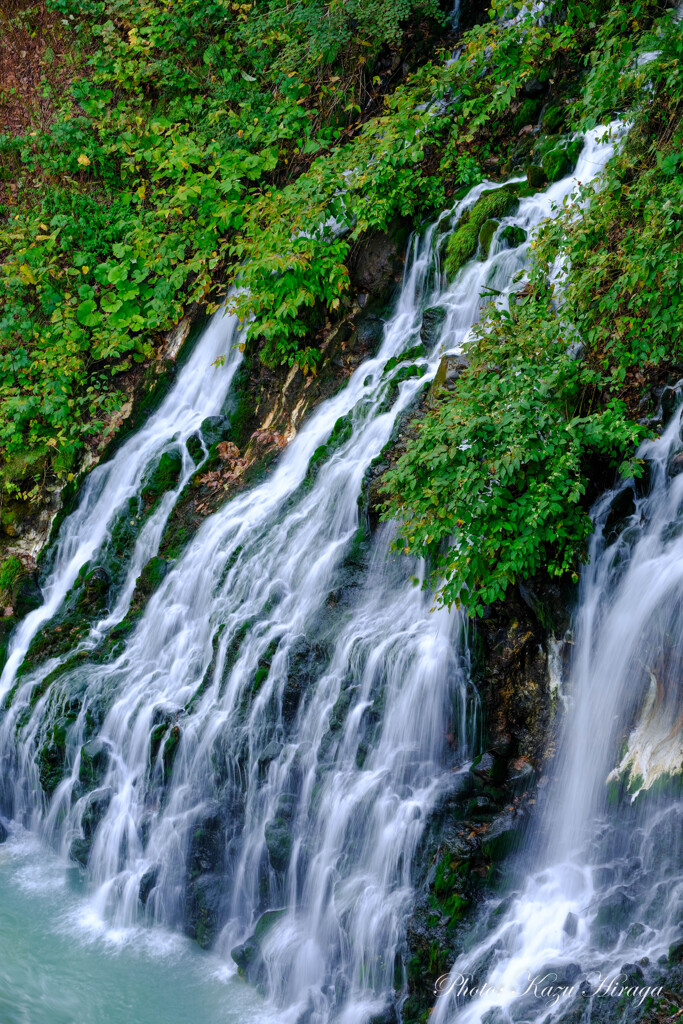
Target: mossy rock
[51,758]
[416,352]
[214,429]
[528,113]
[341,432]
[486,237]
[93,597]
[11,570]
[536,177]
[554,118]
[163,477]
[561,161]
[491,205]
[151,577]
[194,447]
[94,763]
[7,624]
[279,843]
[432,321]
[513,236]
[171,749]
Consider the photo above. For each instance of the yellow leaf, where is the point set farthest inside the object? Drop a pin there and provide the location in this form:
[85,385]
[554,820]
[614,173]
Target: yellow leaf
[85,270]
[83,160]
[26,273]
[69,477]
[141,191]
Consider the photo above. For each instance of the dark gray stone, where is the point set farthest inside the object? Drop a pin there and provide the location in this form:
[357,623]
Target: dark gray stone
[80,851]
[215,428]
[27,595]
[279,843]
[616,909]
[94,762]
[432,322]
[204,908]
[147,883]
[249,955]
[571,925]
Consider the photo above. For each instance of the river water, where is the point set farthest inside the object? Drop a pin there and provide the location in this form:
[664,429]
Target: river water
[60,966]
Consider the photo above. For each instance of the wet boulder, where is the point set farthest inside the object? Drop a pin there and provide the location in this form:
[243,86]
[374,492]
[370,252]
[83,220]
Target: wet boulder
[571,924]
[377,264]
[675,466]
[79,851]
[195,448]
[496,1015]
[387,1016]
[214,429]
[616,909]
[676,951]
[94,763]
[486,234]
[270,753]
[249,955]
[432,321]
[147,883]
[504,837]
[205,906]
[369,333]
[163,477]
[279,843]
[51,758]
[95,589]
[207,847]
[536,177]
[513,236]
[26,594]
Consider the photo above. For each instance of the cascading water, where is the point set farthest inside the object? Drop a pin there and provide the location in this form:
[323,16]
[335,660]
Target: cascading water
[111,485]
[262,754]
[605,899]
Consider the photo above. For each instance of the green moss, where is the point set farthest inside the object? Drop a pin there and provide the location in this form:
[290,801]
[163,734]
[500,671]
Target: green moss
[259,678]
[409,356]
[171,749]
[341,432]
[163,477]
[561,160]
[486,237]
[461,247]
[513,236]
[528,113]
[151,576]
[554,118]
[462,244]
[536,177]
[10,571]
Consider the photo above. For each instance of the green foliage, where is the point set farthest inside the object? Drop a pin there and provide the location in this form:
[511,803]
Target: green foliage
[493,488]
[499,464]
[203,145]
[182,123]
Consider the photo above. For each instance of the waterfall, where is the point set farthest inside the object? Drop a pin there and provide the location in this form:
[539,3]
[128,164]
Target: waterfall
[112,484]
[604,898]
[257,760]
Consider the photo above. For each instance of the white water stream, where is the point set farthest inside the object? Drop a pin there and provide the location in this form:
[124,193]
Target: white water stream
[285,715]
[607,889]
